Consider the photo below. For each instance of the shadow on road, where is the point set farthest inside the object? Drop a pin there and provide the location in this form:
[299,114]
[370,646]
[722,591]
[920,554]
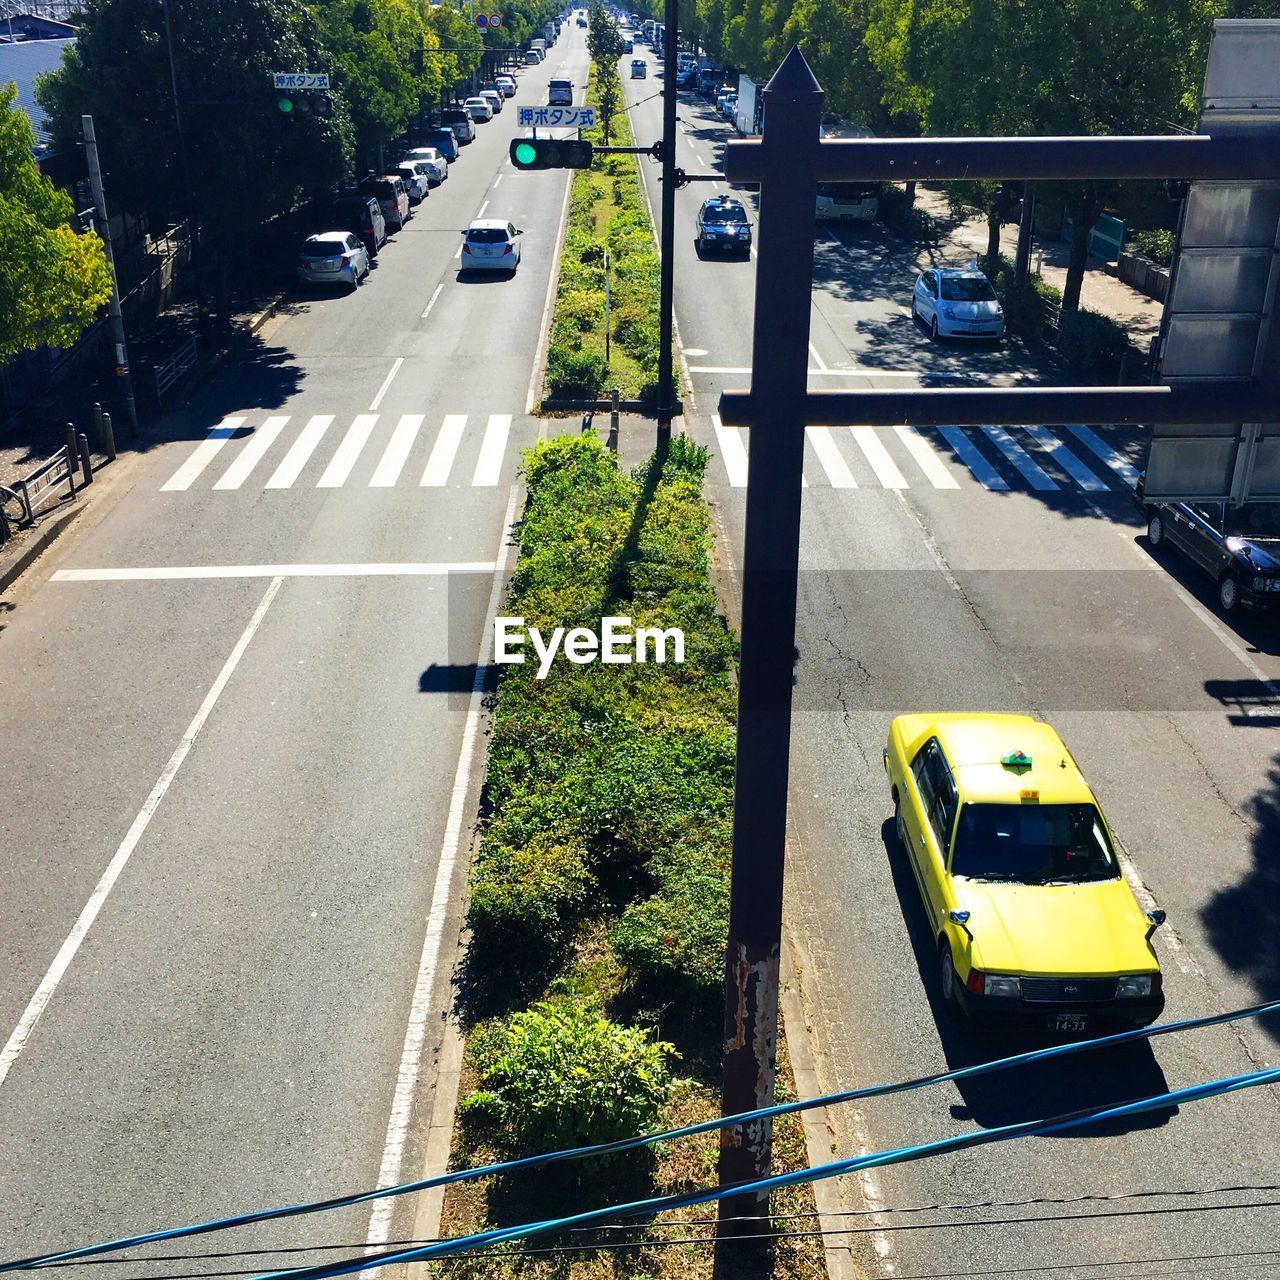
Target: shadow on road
[1037,1091]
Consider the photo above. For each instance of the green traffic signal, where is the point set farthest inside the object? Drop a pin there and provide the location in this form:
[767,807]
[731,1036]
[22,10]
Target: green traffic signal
[285,103]
[524,154]
[550,153]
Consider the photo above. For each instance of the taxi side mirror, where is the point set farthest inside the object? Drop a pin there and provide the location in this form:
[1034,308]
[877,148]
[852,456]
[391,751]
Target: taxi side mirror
[961,918]
[1157,918]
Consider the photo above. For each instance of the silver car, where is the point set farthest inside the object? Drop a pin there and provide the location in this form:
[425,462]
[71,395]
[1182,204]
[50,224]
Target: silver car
[490,244]
[478,109]
[333,257]
[429,161]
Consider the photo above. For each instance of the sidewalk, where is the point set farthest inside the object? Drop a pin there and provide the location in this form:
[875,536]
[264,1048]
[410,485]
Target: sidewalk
[1101,291]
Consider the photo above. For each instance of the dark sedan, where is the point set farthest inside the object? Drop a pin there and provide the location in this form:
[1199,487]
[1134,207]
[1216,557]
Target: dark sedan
[1239,547]
[723,225]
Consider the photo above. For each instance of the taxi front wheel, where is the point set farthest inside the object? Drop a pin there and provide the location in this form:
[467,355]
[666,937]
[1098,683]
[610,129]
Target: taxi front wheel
[949,982]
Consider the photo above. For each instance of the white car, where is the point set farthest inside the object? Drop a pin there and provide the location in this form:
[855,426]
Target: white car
[478,109]
[432,163]
[490,244]
[416,183]
[494,98]
[333,257]
[506,84]
[957,303]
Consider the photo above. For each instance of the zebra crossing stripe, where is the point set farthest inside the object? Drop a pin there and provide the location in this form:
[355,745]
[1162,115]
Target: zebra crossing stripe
[1117,462]
[1067,460]
[339,468]
[443,451]
[878,456]
[396,453]
[492,447]
[203,454]
[299,452]
[927,460]
[253,452]
[832,460]
[1031,470]
[733,451]
[968,453]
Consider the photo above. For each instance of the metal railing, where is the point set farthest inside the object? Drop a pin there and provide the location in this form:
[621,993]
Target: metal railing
[168,373]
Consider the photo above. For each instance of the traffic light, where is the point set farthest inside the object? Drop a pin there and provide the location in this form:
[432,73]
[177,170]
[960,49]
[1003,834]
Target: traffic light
[550,153]
[293,102]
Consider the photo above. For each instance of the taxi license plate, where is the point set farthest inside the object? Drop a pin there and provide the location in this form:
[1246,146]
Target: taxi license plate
[1069,1022]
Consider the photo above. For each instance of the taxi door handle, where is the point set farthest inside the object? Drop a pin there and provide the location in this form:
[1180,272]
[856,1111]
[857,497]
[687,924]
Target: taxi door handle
[922,842]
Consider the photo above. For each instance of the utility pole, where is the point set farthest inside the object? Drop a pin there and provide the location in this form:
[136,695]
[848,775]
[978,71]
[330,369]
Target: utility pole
[788,153]
[666,304]
[113,306]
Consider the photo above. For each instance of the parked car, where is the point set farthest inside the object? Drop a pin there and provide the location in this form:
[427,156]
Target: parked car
[444,140]
[434,165]
[957,303]
[639,68]
[494,87]
[729,105]
[478,109]
[494,98]
[687,78]
[560,93]
[333,257]
[361,214]
[723,225]
[459,120]
[507,84]
[582,22]
[628,46]
[391,195]
[1024,896]
[416,184]
[490,244]
[1239,547]
[532,57]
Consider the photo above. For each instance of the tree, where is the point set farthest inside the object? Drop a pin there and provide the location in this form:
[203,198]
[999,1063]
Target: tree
[53,281]
[605,44]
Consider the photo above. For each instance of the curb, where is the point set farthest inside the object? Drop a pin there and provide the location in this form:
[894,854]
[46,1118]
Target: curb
[13,563]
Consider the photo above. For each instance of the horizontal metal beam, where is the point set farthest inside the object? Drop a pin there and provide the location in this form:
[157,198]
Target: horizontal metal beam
[1239,156]
[1197,402]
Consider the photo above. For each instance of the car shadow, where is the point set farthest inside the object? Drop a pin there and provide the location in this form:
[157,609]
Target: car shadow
[468,275]
[1107,1077]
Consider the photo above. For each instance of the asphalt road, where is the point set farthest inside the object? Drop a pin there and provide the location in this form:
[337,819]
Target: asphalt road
[236,705]
[1003,571]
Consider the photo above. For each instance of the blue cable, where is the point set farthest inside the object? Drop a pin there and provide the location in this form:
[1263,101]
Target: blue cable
[896,1155]
[705,1126]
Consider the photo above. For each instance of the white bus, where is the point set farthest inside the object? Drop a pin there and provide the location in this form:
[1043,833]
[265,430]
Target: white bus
[847,201]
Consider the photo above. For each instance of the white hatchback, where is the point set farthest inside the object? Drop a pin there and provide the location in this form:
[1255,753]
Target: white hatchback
[333,257]
[957,303]
[490,244]
[478,109]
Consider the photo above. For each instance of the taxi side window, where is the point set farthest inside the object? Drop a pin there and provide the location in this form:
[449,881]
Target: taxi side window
[1210,513]
[938,796]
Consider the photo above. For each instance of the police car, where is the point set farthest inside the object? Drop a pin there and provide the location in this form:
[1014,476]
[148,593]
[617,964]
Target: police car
[956,302]
[723,226]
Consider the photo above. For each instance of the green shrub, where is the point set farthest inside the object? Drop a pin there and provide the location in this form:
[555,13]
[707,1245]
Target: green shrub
[1156,245]
[562,1075]
[1029,306]
[1093,344]
[581,308]
[574,373]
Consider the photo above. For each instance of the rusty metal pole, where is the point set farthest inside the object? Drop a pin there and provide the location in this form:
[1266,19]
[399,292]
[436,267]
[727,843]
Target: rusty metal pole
[780,361]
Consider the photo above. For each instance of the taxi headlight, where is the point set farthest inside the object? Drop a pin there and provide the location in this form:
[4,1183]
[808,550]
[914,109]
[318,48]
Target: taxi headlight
[1134,986]
[999,984]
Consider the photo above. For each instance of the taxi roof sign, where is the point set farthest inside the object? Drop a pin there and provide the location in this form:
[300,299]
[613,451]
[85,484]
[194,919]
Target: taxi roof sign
[1016,760]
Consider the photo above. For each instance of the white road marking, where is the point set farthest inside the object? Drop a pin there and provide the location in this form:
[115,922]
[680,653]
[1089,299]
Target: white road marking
[817,359]
[819,373]
[249,457]
[203,454]
[972,457]
[832,460]
[878,456]
[497,180]
[408,569]
[66,953]
[733,451]
[1117,462]
[695,351]
[397,451]
[1067,460]
[492,447]
[1031,471]
[435,295]
[299,452]
[918,446]
[419,1009]
[483,207]
[339,468]
[386,382]
[444,450]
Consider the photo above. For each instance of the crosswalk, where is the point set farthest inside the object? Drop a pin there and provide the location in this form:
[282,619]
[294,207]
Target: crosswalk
[1043,459]
[311,452]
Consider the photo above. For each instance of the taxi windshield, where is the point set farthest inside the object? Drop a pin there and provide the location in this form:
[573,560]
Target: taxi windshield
[966,289]
[723,214]
[1254,520]
[1033,844]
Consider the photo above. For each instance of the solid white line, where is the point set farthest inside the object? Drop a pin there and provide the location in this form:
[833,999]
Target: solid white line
[832,460]
[1067,460]
[817,359]
[1117,462]
[249,457]
[299,452]
[917,445]
[733,451]
[552,280]
[372,570]
[420,1006]
[444,450]
[434,296]
[397,451]
[497,180]
[973,458]
[492,447]
[483,207]
[57,970]
[878,456]
[1031,470]
[339,468]
[386,382]
[203,454]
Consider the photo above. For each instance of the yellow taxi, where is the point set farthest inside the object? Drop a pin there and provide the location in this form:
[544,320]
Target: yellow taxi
[1020,878]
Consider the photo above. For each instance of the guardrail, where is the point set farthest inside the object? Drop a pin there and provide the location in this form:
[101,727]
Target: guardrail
[175,367]
[43,483]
